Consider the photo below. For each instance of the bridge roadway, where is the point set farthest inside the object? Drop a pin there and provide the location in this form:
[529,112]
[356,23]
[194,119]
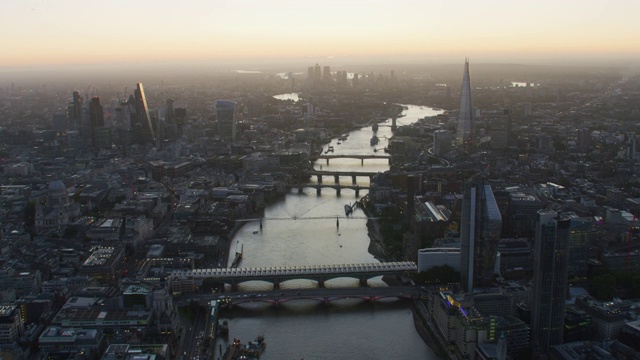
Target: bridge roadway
[336,187]
[321,295]
[361,157]
[190,280]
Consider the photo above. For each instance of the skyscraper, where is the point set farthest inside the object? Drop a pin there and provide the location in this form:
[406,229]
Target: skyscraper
[143,126]
[75,112]
[225,113]
[326,74]
[480,228]
[464,135]
[317,74]
[549,279]
[96,118]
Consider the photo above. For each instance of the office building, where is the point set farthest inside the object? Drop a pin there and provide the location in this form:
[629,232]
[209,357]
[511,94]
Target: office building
[549,280]
[142,126]
[326,74]
[225,113]
[11,325]
[441,142]
[317,74]
[480,227]
[70,340]
[96,119]
[579,241]
[464,134]
[500,130]
[74,111]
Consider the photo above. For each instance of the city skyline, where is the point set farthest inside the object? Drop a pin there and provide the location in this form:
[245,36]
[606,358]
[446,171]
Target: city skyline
[71,32]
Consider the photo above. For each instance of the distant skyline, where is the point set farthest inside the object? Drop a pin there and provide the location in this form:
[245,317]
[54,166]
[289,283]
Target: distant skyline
[38,33]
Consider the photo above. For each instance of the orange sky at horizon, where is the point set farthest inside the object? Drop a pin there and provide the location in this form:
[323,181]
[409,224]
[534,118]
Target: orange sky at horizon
[44,32]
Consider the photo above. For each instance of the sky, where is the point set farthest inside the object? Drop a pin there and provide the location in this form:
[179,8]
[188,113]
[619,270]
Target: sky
[69,32]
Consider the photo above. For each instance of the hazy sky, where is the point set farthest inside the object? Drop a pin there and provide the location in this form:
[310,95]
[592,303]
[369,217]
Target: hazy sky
[43,32]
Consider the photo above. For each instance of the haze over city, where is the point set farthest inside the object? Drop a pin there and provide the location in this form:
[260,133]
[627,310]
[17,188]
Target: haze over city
[41,33]
[191,180]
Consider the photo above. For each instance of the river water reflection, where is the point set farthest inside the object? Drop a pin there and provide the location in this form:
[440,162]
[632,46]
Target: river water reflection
[347,329]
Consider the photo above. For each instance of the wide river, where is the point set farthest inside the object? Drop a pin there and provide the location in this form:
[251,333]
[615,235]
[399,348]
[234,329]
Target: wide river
[346,329]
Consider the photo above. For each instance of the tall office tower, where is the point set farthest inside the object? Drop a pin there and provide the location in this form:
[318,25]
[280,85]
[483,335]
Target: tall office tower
[326,74]
[317,74]
[579,242]
[549,280]
[169,112]
[181,119]
[143,126]
[75,112]
[96,118]
[354,81]
[225,112]
[480,227]
[500,130]
[310,74]
[464,135]
[441,142]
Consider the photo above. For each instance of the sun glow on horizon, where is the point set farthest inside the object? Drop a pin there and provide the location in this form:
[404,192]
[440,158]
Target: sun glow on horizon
[75,32]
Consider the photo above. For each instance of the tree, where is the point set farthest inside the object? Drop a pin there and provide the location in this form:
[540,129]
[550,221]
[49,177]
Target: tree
[438,275]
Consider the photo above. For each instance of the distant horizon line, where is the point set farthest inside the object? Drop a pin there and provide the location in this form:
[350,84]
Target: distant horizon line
[614,61]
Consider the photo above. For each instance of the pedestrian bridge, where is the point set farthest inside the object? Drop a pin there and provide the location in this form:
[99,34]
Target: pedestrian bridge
[191,280]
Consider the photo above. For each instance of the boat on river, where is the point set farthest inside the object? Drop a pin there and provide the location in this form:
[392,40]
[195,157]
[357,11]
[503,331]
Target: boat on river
[254,349]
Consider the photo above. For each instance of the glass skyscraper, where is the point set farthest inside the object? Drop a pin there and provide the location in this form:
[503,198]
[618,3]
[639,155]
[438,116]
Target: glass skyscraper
[464,133]
[225,113]
[549,279]
[481,224]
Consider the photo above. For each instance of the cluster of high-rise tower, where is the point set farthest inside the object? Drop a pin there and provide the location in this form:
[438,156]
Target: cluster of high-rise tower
[481,224]
[132,116]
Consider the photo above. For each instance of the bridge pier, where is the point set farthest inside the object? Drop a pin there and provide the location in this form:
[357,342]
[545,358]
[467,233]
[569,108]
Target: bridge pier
[319,179]
[363,282]
[234,286]
[362,162]
[353,179]
[276,284]
[327,161]
[338,191]
[318,190]
[357,191]
[321,283]
[336,178]
[299,189]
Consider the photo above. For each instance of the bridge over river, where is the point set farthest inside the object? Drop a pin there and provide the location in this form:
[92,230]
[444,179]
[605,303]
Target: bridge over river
[361,157]
[320,295]
[181,281]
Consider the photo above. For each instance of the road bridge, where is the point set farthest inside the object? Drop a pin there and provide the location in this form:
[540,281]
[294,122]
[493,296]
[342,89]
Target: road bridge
[361,157]
[180,281]
[321,295]
[337,174]
[336,187]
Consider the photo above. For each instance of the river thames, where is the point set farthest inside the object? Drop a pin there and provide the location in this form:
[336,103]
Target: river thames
[346,329]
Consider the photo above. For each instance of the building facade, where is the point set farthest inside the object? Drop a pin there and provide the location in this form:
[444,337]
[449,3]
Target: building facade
[549,280]
[480,228]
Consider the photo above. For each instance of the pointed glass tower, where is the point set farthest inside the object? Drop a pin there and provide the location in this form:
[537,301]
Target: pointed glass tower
[464,135]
